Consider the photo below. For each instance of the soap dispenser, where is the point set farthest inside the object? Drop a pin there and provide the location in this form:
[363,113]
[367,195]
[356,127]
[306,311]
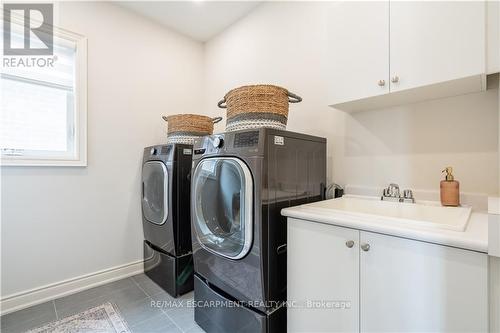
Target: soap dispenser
[450,189]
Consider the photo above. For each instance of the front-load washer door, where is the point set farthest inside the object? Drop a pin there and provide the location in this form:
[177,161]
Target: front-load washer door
[155,192]
[222,199]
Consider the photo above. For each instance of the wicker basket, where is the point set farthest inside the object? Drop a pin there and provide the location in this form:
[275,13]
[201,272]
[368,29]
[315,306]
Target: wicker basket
[257,106]
[184,128]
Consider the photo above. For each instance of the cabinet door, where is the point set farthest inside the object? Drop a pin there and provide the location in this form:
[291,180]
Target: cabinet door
[433,41]
[358,50]
[493,37]
[407,285]
[323,269]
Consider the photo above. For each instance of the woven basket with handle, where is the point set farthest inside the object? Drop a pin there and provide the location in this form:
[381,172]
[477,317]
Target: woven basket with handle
[184,128]
[257,106]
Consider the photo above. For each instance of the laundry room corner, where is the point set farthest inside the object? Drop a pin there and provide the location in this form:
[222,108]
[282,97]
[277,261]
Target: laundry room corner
[66,223]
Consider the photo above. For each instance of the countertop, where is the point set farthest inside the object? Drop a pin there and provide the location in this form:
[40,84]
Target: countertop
[475,236]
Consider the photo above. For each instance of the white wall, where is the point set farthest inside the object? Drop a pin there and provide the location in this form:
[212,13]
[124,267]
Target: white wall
[63,222]
[285,44]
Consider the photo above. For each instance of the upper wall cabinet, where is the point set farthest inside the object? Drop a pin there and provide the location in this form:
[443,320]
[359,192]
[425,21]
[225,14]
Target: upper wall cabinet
[359,50]
[397,52]
[493,37]
[433,42]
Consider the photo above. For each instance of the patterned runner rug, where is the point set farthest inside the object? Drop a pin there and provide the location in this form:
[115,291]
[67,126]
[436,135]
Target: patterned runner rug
[102,318]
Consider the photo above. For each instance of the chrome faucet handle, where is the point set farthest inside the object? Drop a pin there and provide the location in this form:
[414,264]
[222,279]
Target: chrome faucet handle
[408,194]
[393,190]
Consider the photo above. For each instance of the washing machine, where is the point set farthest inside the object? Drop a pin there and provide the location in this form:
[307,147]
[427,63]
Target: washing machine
[166,216]
[240,183]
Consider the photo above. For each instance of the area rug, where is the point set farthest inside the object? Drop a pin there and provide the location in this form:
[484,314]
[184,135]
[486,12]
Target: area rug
[102,318]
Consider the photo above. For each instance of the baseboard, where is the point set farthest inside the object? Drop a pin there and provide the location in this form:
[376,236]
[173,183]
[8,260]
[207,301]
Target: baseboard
[18,301]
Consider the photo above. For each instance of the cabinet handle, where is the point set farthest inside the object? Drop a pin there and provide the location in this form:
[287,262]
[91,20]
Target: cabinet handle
[365,247]
[349,243]
[395,79]
[381,83]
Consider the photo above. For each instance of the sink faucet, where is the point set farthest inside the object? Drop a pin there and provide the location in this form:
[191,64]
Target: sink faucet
[393,193]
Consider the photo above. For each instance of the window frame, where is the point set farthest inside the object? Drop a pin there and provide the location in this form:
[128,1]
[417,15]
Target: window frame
[80,108]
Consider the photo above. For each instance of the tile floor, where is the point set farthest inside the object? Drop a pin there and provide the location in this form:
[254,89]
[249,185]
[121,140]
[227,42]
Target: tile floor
[134,298]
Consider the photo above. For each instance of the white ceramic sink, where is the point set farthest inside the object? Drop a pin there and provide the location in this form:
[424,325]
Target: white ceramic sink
[427,215]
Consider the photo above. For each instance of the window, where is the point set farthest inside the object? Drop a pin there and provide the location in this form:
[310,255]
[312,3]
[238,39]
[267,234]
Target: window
[43,106]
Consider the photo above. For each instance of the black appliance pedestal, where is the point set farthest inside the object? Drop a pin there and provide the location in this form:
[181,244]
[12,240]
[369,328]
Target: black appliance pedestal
[172,274]
[216,312]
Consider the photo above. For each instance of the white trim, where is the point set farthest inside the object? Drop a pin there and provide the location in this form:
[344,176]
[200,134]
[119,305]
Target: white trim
[80,98]
[18,301]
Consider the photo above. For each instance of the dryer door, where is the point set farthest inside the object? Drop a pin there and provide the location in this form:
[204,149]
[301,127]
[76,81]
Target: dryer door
[155,192]
[222,206]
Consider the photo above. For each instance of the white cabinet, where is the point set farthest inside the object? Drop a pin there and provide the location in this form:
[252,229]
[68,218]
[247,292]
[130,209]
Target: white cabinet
[320,257]
[358,44]
[494,227]
[408,285]
[386,53]
[493,37]
[494,235]
[393,284]
[434,41]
